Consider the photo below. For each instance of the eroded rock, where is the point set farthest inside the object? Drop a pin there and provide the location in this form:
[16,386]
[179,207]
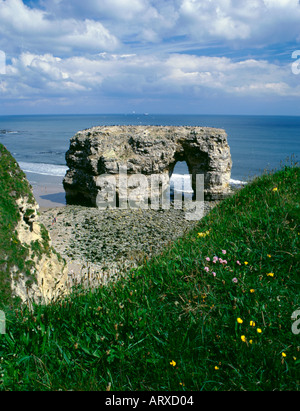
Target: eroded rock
[148,151]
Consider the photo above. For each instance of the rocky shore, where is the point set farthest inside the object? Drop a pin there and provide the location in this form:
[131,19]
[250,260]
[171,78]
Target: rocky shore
[99,245]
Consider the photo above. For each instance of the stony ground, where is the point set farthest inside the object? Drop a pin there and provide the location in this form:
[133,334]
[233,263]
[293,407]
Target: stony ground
[103,243]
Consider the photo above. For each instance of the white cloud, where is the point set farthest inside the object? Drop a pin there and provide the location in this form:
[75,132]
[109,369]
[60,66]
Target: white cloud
[144,75]
[258,21]
[35,29]
[140,49]
[74,26]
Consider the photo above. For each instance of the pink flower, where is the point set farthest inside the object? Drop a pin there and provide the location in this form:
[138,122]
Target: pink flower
[224,261]
[238,262]
[235,280]
[214,274]
[224,251]
[206,269]
[207,259]
[220,260]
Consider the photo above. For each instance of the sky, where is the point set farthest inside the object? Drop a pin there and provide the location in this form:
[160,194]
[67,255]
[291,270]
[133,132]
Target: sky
[150,56]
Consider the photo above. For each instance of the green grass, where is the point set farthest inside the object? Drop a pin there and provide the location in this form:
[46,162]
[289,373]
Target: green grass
[13,185]
[171,324]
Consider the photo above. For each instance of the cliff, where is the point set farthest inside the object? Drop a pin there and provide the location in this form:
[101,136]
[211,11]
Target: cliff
[30,269]
[148,151]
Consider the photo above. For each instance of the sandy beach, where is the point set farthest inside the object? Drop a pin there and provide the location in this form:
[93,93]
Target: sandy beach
[47,190]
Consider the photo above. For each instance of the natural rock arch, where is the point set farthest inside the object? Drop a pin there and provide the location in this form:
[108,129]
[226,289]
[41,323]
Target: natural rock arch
[146,150]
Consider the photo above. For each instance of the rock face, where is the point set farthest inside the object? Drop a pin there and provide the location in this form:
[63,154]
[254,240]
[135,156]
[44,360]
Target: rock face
[147,151]
[47,278]
[30,268]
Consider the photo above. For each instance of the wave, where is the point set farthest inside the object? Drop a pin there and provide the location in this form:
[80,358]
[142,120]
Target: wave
[8,132]
[237,183]
[44,169]
[180,182]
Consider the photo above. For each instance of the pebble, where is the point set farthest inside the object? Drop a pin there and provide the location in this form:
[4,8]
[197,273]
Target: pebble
[113,240]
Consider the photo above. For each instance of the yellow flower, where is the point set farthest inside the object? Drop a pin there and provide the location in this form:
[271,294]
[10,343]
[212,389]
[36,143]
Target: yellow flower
[240,321]
[251,341]
[283,354]
[243,338]
[182,383]
[246,263]
[259,331]
[252,291]
[270,274]
[217,368]
[275,189]
[252,323]
[173,363]
[201,235]
[269,255]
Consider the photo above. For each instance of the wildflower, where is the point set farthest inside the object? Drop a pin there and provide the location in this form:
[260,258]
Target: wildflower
[259,330]
[252,291]
[200,235]
[283,354]
[173,363]
[207,259]
[243,338]
[251,341]
[270,274]
[182,383]
[246,263]
[206,269]
[217,368]
[224,261]
[252,323]
[235,280]
[214,274]
[269,256]
[240,321]
[224,252]
[275,189]
[238,262]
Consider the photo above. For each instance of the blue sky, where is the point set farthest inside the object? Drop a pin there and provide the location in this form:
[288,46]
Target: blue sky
[154,56]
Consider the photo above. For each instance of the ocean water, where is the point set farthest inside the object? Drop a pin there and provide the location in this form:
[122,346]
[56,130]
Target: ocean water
[257,143]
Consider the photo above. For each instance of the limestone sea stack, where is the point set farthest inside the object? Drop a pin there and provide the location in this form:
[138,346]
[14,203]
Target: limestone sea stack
[148,151]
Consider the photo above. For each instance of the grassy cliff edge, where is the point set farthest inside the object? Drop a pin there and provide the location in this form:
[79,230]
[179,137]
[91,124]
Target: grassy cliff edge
[211,312]
[29,266]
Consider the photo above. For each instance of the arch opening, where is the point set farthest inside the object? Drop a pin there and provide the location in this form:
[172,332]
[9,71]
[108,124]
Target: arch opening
[180,181]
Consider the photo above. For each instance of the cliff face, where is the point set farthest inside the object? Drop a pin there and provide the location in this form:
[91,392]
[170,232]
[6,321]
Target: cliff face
[146,150]
[30,269]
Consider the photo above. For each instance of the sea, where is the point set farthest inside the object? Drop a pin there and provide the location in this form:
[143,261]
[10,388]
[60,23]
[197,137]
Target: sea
[39,143]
